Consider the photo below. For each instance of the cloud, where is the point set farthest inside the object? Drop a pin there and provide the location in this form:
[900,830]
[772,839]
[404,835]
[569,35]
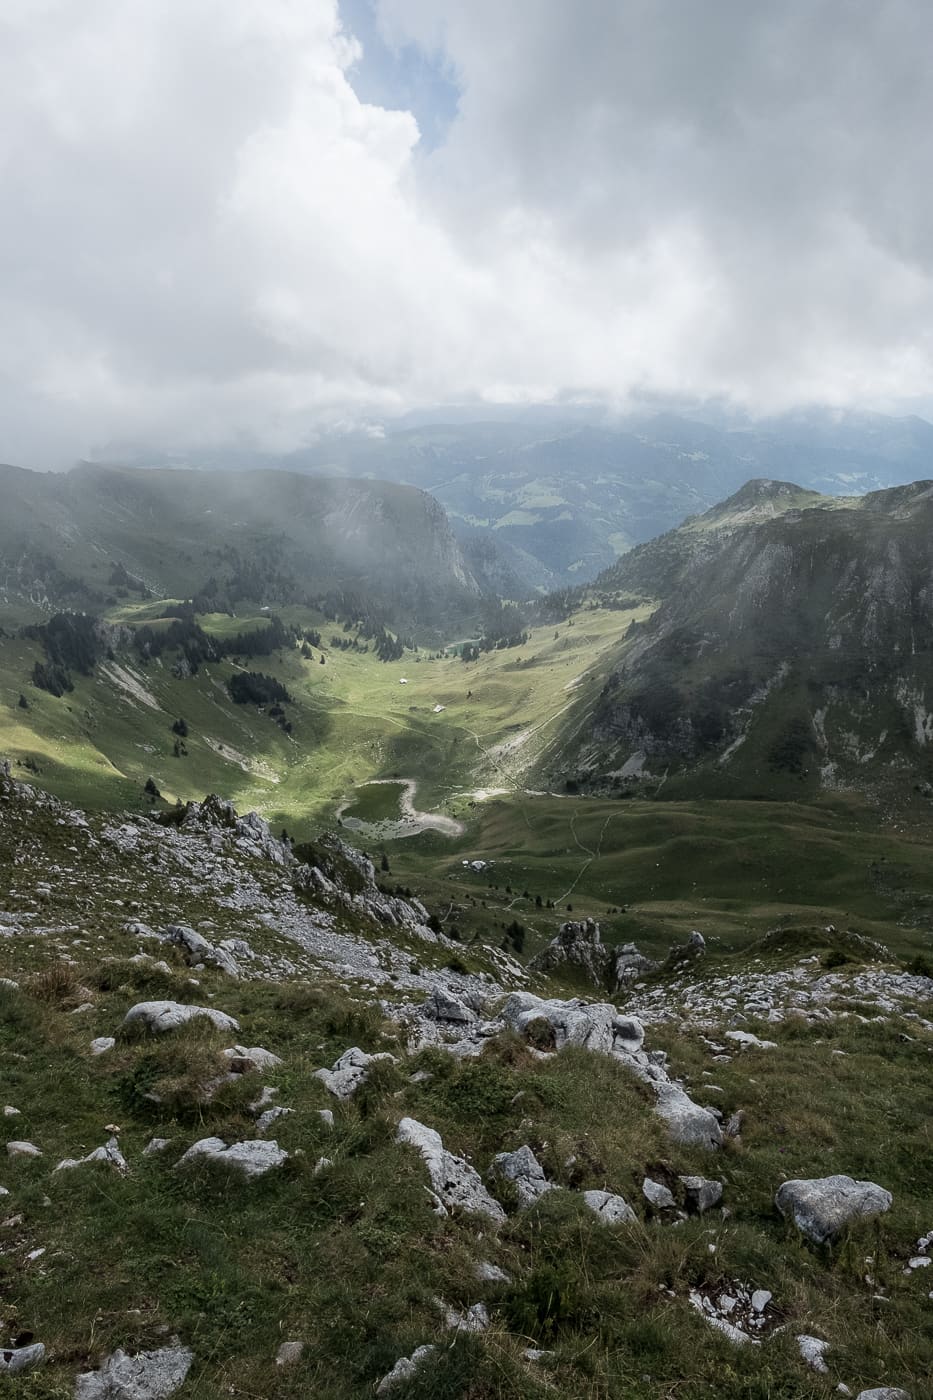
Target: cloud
[208,237]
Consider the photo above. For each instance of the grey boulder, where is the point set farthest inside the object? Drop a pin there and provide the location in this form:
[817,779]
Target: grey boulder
[442,1005]
[454,1182]
[249,1159]
[14,1361]
[197,949]
[525,1172]
[405,1369]
[110,1155]
[162,1016]
[22,1149]
[150,1375]
[701,1193]
[884,1392]
[349,1072]
[611,1209]
[657,1195]
[686,1121]
[823,1206]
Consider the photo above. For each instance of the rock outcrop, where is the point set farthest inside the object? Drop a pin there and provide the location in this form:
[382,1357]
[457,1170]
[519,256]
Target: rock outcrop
[350,1071]
[247,1159]
[522,1169]
[162,1016]
[822,1207]
[150,1375]
[577,944]
[455,1185]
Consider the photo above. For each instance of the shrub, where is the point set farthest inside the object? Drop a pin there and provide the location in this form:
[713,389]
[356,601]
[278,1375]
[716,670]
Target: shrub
[57,984]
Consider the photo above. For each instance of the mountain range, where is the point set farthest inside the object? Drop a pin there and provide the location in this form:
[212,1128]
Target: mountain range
[79,538]
[560,495]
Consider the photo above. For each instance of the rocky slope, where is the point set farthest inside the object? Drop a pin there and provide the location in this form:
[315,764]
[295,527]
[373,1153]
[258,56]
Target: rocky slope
[268,1133]
[793,649]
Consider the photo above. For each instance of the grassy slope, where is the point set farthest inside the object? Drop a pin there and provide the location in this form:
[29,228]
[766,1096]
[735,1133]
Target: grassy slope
[353,720]
[732,869]
[351,1259]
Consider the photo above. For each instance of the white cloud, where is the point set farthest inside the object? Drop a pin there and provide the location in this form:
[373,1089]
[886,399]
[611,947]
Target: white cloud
[207,236]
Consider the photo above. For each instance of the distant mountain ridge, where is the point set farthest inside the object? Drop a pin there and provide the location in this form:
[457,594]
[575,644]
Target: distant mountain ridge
[71,539]
[562,497]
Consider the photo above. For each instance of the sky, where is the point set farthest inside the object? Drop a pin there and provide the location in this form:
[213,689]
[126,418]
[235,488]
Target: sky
[250,222]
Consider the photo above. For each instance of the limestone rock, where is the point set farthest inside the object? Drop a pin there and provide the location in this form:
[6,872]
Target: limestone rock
[701,1193]
[162,1016]
[269,1116]
[22,1149]
[523,1169]
[884,1392]
[611,1209]
[288,1353]
[455,1182]
[823,1206]
[687,1122]
[253,1057]
[595,1026]
[150,1375]
[197,949]
[629,965]
[110,1155]
[442,1005]
[14,1361]
[577,944]
[249,1159]
[349,1072]
[811,1350]
[404,1369]
[490,1273]
[747,1041]
[102,1044]
[472,1319]
[657,1195]
[154,1145]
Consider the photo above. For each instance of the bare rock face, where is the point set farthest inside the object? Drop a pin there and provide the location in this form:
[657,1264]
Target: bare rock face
[577,944]
[150,1375]
[630,966]
[162,1016]
[823,1206]
[196,949]
[455,1184]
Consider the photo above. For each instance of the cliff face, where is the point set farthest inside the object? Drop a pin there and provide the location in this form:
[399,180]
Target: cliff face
[794,645]
[284,535]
